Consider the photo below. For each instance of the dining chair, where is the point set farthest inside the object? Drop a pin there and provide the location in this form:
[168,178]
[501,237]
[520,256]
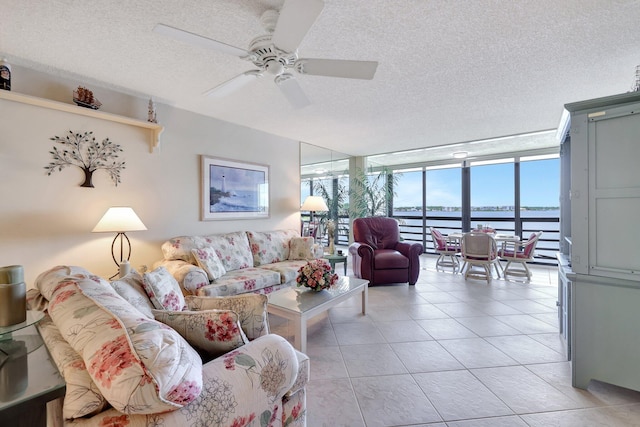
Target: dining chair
[479,250]
[447,249]
[519,253]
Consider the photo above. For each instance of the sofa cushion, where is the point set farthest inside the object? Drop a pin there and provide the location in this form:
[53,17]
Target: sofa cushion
[138,364]
[251,309]
[301,248]
[130,287]
[211,332]
[208,260]
[240,282]
[82,396]
[271,246]
[288,270]
[232,249]
[163,290]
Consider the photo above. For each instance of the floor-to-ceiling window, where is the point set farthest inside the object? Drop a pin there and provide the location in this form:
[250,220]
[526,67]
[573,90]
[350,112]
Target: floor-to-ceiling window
[492,195]
[540,201]
[407,203]
[514,195]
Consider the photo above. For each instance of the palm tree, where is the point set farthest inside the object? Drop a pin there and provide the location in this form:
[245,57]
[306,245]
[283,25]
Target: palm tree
[336,197]
[372,193]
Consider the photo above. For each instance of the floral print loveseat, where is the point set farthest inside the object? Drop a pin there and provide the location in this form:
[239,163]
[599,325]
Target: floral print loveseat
[238,262]
[125,368]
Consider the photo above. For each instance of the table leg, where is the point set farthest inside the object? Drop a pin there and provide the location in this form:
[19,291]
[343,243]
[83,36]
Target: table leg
[365,298]
[345,266]
[300,340]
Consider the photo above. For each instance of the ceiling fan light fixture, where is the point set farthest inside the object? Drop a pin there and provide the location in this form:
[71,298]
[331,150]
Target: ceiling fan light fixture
[274,67]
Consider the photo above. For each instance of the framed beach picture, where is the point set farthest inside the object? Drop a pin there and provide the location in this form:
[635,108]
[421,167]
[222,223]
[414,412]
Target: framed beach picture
[233,189]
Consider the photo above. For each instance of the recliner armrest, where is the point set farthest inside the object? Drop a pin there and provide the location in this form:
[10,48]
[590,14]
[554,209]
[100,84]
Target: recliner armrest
[410,249]
[362,250]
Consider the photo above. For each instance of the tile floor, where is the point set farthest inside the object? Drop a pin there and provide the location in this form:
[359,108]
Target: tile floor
[450,352]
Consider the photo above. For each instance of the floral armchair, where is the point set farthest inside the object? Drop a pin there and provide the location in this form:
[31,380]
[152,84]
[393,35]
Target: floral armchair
[124,368]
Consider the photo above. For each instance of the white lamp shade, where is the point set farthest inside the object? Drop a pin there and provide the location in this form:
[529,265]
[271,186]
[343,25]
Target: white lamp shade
[315,204]
[119,220]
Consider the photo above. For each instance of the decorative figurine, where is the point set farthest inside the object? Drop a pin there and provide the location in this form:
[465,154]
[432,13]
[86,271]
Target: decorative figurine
[5,75]
[152,112]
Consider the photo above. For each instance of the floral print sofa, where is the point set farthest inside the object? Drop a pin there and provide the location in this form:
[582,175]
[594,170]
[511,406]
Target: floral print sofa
[238,262]
[124,366]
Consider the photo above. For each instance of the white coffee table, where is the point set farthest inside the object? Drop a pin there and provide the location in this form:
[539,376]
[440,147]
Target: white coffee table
[301,304]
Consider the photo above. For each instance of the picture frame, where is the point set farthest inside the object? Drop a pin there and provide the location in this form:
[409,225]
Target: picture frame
[233,189]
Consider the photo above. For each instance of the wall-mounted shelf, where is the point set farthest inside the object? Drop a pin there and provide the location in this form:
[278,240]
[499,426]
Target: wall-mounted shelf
[154,129]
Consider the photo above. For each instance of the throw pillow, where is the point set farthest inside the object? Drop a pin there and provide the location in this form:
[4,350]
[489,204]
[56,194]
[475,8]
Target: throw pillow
[163,290]
[271,246]
[301,248]
[139,365]
[82,396]
[209,261]
[211,332]
[251,309]
[130,287]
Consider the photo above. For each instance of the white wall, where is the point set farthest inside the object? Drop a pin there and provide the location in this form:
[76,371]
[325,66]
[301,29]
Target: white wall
[47,220]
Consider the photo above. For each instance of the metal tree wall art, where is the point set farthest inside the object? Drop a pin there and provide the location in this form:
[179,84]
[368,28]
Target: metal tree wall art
[83,151]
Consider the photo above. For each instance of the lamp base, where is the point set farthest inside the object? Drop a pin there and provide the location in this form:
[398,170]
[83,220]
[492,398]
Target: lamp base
[125,268]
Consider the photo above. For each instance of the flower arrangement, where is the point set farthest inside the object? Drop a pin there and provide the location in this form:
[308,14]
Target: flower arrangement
[316,275]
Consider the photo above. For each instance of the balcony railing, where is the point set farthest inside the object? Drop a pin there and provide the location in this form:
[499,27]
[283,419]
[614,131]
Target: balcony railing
[412,229]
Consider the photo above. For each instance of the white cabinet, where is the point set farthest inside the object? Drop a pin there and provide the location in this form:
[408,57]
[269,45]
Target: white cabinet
[604,275]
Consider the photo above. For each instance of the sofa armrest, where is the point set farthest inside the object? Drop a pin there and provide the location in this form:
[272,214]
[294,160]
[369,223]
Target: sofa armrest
[244,384]
[190,277]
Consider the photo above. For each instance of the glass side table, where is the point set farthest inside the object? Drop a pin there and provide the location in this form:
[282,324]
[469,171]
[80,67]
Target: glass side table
[28,376]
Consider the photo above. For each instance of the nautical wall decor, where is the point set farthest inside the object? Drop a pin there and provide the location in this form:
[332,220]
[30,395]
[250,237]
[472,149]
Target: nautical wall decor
[82,150]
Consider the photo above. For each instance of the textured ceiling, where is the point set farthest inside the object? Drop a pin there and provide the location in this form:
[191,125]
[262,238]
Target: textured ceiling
[450,71]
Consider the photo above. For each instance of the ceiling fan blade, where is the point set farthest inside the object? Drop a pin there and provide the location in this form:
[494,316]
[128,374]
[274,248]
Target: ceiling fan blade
[197,40]
[292,90]
[296,18]
[234,84]
[337,68]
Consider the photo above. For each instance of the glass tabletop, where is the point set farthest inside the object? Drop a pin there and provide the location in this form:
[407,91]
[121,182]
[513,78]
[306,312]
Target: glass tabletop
[27,373]
[33,317]
[302,299]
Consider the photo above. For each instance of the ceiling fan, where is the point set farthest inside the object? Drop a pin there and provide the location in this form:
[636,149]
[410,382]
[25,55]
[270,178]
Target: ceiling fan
[276,52]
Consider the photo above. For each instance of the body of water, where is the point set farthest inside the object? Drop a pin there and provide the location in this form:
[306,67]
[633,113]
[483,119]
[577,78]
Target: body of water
[241,201]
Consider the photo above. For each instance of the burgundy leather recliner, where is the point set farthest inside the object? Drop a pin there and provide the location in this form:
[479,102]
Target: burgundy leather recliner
[379,256]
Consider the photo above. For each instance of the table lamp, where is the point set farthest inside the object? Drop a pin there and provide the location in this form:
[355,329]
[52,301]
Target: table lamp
[314,204]
[120,220]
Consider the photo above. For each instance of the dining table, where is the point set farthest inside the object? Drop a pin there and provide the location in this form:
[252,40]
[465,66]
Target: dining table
[498,237]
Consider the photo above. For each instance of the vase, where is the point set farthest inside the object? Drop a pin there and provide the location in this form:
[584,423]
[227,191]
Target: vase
[332,248]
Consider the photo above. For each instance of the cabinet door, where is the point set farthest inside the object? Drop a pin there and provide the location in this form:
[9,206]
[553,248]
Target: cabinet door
[614,195]
[564,311]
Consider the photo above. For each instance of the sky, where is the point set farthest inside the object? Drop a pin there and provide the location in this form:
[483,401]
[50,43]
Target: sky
[491,185]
